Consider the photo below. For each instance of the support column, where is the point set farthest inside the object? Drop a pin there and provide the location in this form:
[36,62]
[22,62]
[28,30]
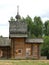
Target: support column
[12,45]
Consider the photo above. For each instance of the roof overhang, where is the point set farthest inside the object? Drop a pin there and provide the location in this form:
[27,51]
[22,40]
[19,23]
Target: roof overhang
[36,40]
[18,35]
[5,41]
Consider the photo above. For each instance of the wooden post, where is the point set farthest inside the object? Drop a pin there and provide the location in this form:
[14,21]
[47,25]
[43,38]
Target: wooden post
[12,54]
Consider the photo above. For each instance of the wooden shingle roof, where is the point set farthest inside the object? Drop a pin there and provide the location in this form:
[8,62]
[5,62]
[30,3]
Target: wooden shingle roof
[17,27]
[5,41]
[36,40]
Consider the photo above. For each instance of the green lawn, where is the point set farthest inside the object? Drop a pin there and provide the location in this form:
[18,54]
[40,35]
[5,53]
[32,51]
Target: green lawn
[24,62]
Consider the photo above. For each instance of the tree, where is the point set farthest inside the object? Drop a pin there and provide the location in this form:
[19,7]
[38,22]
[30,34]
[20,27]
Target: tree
[45,47]
[38,26]
[46,28]
[30,25]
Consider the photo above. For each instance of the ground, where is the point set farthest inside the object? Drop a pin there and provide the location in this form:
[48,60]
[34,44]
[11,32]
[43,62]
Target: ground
[24,62]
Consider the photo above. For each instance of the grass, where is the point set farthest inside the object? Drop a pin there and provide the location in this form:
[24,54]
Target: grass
[24,62]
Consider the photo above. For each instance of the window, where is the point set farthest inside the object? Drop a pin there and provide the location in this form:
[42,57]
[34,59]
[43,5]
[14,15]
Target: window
[28,51]
[19,51]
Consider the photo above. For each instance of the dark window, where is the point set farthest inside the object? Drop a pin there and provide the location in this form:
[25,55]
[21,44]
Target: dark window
[19,51]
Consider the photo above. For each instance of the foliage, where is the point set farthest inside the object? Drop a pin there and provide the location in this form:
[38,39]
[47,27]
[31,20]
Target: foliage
[45,47]
[34,27]
[46,27]
[38,25]
[12,19]
[30,25]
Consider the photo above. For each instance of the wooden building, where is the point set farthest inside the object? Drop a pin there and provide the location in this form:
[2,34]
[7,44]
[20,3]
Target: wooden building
[21,45]
[18,45]
[5,47]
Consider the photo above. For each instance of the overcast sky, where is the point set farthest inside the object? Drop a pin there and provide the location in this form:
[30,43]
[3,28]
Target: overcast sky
[32,8]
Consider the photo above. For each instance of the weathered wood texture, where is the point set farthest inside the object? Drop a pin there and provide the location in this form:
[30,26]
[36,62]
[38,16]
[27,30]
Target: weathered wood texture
[5,52]
[19,43]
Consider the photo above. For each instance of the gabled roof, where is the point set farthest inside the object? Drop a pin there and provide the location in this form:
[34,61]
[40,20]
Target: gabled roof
[5,41]
[36,40]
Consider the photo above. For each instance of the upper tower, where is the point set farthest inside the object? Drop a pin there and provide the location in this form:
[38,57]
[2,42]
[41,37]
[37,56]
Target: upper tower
[17,16]
[17,28]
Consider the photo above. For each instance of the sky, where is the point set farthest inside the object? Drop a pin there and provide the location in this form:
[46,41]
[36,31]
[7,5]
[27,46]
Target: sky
[32,8]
